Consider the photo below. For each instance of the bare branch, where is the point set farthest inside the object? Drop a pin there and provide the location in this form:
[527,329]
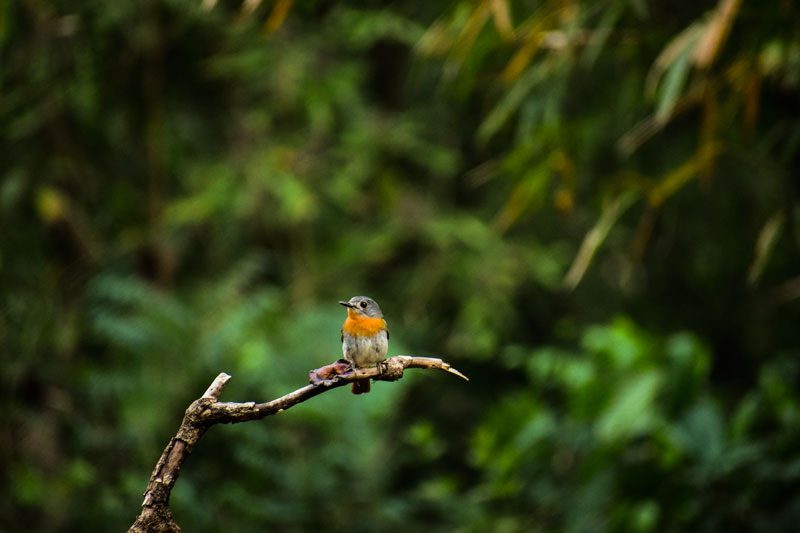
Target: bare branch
[207,411]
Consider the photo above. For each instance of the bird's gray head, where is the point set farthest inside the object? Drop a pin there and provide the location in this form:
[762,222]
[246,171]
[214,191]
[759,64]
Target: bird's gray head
[363,305]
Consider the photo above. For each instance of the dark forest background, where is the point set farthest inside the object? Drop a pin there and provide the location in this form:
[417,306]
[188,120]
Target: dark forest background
[589,207]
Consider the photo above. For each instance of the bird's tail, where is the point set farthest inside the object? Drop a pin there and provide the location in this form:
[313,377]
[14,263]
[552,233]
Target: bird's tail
[360,386]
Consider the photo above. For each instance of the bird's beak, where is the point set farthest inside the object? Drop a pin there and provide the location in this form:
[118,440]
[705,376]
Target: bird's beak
[346,304]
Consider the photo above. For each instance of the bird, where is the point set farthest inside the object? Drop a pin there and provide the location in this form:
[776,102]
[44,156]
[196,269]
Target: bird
[365,337]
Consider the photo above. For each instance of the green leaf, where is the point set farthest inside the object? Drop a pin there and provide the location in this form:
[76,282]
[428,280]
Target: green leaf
[631,410]
[674,82]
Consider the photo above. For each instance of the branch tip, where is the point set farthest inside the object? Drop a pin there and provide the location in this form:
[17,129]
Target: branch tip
[456,372]
[215,389]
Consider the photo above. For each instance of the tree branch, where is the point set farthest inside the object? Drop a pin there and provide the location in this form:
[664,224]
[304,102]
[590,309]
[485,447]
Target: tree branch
[206,411]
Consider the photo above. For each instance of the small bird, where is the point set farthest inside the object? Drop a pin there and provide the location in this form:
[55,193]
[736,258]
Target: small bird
[365,337]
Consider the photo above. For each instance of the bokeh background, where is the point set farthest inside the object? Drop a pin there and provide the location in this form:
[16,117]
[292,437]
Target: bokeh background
[589,207]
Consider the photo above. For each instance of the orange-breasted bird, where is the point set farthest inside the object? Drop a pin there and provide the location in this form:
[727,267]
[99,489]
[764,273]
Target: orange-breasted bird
[365,337]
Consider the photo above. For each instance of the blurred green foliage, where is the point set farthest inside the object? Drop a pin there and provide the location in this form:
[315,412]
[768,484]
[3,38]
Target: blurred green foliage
[590,208]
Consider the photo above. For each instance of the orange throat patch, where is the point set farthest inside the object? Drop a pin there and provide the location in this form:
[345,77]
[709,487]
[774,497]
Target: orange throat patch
[358,325]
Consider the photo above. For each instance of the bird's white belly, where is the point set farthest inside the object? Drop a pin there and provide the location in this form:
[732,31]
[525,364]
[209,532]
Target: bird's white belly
[365,351]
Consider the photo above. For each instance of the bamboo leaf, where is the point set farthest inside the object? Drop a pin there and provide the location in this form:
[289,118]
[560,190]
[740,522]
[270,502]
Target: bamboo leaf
[674,82]
[595,237]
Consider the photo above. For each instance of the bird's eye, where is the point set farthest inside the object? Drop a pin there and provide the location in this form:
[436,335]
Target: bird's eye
[363,305]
